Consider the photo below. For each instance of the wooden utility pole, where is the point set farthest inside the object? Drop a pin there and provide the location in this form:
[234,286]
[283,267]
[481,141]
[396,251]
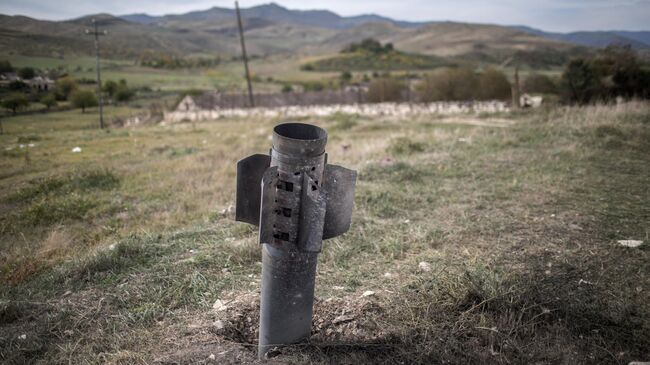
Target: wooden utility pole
[516,103]
[96,34]
[251,99]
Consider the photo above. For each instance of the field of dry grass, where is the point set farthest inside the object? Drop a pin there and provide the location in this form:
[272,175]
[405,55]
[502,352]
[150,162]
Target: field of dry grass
[484,239]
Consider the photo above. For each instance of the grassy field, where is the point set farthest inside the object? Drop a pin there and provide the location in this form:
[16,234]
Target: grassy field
[229,75]
[485,239]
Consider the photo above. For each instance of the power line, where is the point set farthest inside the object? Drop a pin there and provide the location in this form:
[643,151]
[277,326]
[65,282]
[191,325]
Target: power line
[96,34]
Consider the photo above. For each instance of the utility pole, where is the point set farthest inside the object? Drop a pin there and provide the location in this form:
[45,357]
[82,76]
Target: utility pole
[96,34]
[516,92]
[251,99]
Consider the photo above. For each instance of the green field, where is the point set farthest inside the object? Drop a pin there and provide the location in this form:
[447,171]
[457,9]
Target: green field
[229,75]
[485,239]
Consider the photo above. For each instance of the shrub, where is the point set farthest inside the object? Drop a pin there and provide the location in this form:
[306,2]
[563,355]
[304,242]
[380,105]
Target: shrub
[449,85]
[66,86]
[5,67]
[385,89]
[83,99]
[286,88]
[540,84]
[49,100]
[405,146]
[14,102]
[493,85]
[581,82]
[27,73]
[110,88]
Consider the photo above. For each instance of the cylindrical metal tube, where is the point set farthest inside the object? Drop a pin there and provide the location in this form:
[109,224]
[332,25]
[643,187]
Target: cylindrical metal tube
[289,272]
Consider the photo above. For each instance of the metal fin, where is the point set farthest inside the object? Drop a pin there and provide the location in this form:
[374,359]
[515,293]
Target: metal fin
[249,178]
[312,216]
[338,184]
[267,218]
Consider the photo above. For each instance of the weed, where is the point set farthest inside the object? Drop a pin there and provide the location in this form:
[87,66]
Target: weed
[405,146]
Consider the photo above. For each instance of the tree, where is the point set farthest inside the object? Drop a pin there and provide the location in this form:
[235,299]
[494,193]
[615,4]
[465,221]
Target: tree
[14,102]
[123,93]
[540,84]
[27,73]
[66,86]
[581,82]
[449,85]
[17,85]
[493,85]
[346,76]
[622,65]
[5,67]
[110,87]
[49,101]
[83,99]
[385,89]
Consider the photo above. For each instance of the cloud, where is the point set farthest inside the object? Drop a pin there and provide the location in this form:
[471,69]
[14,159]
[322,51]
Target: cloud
[555,15]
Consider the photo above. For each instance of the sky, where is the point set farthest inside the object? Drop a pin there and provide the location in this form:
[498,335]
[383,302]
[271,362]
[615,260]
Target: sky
[549,15]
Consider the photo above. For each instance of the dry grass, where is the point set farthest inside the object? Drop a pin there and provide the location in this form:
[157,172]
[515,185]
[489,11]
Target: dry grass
[518,224]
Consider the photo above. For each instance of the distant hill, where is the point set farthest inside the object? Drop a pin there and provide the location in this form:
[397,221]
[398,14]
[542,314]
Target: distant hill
[599,39]
[273,13]
[273,29]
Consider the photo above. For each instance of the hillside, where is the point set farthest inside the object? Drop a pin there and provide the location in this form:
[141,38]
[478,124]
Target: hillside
[272,29]
[271,12]
[637,40]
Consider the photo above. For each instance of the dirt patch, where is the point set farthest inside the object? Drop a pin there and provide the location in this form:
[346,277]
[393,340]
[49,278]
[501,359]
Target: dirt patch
[343,328]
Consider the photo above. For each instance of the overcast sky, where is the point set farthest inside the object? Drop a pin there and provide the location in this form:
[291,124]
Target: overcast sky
[552,15]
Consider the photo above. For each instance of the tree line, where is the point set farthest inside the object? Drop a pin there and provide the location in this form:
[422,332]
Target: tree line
[18,95]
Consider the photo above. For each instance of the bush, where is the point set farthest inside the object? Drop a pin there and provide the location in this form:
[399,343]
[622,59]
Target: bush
[286,88]
[27,73]
[14,102]
[5,67]
[110,87]
[83,99]
[580,82]
[124,94]
[623,66]
[493,85]
[49,101]
[449,85]
[385,89]
[17,85]
[65,86]
[539,84]
[368,45]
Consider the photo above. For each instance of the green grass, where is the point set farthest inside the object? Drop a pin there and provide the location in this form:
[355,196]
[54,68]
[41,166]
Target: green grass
[518,225]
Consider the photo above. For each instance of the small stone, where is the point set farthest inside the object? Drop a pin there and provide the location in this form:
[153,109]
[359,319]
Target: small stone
[22,337]
[338,287]
[630,243]
[388,275]
[225,270]
[76,150]
[343,318]
[424,266]
[218,325]
[212,357]
[368,293]
[219,305]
